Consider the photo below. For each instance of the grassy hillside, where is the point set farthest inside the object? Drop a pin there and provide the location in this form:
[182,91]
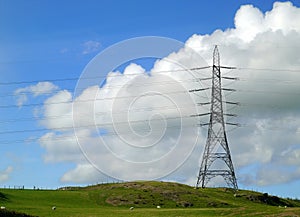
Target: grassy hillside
[173,198]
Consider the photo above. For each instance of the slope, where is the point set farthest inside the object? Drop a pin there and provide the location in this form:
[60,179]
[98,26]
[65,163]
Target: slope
[174,199]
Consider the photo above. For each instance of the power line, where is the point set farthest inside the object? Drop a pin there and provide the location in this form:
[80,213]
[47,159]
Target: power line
[269,92]
[149,84]
[105,77]
[152,109]
[62,138]
[90,125]
[168,82]
[121,75]
[142,109]
[92,100]
[106,134]
[153,94]
[266,80]
[267,69]
[136,110]
[240,90]
[175,81]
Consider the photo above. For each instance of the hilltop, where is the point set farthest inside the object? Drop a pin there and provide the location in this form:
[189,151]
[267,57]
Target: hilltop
[171,195]
[173,199]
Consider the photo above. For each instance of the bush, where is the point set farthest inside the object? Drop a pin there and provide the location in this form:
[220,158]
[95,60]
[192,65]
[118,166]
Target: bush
[8,213]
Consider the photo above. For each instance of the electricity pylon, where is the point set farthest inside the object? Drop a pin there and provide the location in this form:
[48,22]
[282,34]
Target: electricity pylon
[216,148]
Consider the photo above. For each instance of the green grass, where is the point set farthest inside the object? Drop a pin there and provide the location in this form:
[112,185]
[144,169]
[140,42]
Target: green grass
[175,200]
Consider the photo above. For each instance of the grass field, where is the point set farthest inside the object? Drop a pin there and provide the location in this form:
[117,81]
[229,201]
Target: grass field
[173,198]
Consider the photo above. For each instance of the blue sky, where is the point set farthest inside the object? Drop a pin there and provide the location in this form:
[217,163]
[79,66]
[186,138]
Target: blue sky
[50,40]
[53,33]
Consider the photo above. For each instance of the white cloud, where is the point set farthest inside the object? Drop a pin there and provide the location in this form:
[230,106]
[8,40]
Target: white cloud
[4,175]
[58,105]
[88,174]
[61,148]
[271,175]
[111,109]
[269,140]
[249,21]
[41,88]
[284,17]
[90,47]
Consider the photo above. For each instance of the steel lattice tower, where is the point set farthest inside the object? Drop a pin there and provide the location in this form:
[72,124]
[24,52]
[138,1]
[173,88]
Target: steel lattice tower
[216,147]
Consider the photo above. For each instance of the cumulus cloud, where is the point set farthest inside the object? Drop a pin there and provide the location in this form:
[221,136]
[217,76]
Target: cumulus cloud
[56,152]
[41,88]
[130,113]
[267,144]
[58,105]
[88,174]
[90,47]
[4,175]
